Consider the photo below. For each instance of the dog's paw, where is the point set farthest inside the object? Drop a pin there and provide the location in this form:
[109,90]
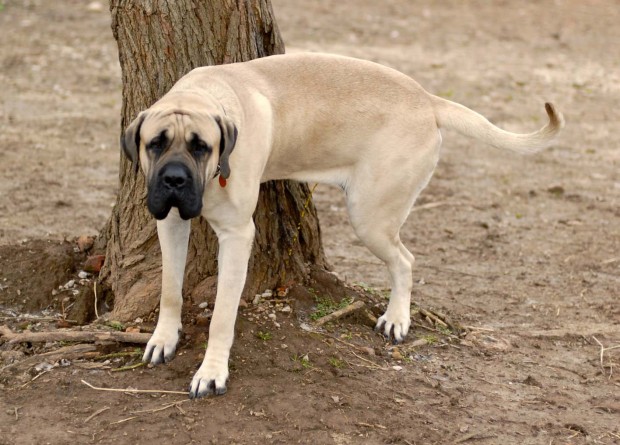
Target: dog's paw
[394,325]
[162,344]
[210,379]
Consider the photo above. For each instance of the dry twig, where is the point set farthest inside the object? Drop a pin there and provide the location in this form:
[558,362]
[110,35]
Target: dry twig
[135,391]
[6,335]
[353,307]
[602,354]
[96,413]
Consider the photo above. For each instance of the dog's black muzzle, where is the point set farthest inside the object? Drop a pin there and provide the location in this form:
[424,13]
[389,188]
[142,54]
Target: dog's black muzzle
[174,186]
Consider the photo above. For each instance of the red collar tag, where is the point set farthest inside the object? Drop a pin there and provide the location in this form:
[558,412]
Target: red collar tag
[222,181]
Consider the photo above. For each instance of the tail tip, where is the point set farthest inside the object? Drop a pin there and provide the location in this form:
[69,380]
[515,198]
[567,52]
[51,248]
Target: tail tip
[555,117]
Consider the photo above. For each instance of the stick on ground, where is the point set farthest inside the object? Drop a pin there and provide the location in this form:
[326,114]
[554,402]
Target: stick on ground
[6,335]
[136,391]
[353,307]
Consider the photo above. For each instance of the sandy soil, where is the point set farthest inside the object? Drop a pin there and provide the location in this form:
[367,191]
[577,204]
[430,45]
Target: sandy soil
[523,251]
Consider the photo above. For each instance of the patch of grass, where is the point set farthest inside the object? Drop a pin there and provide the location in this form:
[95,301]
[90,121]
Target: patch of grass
[303,360]
[325,306]
[444,330]
[336,362]
[116,325]
[430,339]
[264,336]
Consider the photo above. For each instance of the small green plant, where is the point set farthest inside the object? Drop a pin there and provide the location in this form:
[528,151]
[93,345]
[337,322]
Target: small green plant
[336,362]
[303,360]
[430,339]
[325,306]
[264,336]
[116,325]
[444,330]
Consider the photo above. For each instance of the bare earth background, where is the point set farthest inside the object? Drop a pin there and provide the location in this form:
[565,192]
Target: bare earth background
[525,251]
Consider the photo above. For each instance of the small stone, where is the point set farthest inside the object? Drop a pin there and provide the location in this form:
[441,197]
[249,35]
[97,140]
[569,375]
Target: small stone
[267,294]
[396,355]
[256,300]
[93,264]
[397,368]
[95,6]
[83,275]
[63,324]
[284,346]
[138,320]
[272,316]
[85,243]
[43,366]
[368,351]
[306,327]
[276,324]
[243,304]
[68,285]
[286,309]
[203,305]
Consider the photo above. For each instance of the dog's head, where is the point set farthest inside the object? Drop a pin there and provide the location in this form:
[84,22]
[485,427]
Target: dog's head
[179,144]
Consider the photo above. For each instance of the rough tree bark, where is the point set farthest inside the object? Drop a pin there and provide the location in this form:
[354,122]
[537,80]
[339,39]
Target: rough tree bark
[159,41]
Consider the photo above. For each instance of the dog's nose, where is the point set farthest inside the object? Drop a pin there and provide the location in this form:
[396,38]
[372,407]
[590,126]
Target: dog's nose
[175,176]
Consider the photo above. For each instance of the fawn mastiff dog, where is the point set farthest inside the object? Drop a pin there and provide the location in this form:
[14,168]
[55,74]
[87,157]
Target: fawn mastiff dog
[206,146]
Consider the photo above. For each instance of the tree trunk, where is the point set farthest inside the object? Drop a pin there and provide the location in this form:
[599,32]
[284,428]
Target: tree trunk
[159,41]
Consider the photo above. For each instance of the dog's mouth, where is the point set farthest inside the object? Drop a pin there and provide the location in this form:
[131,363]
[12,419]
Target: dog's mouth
[173,186]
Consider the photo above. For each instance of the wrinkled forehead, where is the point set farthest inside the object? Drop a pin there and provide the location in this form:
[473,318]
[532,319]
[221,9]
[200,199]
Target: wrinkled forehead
[178,123]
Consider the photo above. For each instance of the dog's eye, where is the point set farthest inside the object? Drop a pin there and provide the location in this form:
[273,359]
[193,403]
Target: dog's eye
[199,146]
[158,143]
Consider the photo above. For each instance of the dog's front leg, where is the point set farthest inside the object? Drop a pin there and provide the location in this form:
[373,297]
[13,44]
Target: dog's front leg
[173,233]
[235,247]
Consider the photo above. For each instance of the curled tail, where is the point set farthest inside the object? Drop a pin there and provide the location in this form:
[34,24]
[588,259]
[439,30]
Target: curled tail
[468,122]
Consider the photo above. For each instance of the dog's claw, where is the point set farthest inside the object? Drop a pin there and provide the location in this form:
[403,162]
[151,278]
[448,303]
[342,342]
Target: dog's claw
[200,389]
[161,347]
[394,331]
[209,380]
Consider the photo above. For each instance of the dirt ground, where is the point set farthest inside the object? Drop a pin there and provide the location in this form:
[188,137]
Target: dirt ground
[523,252]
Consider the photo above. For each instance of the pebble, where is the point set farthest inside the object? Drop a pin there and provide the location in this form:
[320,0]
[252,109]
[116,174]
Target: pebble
[368,351]
[83,275]
[397,368]
[276,324]
[85,243]
[397,355]
[95,6]
[267,294]
[256,300]
[286,309]
[203,305]
[272,316]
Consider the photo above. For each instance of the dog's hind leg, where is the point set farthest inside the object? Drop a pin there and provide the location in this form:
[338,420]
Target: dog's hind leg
[378,206]
[380,233]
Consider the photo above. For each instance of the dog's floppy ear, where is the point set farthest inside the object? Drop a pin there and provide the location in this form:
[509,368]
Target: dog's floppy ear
[227,143]
[130,140]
